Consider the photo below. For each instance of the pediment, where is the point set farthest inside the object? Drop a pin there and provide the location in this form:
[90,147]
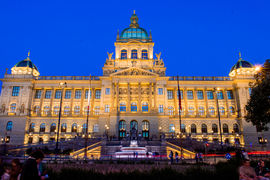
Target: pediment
[133,71]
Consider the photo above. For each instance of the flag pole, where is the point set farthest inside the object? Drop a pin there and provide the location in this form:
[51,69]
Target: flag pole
[179,109]
[87,118]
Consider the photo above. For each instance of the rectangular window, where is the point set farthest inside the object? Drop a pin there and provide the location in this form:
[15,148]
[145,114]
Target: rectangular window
[170,94]
[160,91]
[58,94]
[210,95]
[181,92]
[200,94]
[190,94]
[220,95]
[107,108]
[108,92]
[15,90]
[38,94]
[68,94]
[98,94]
[48,94]
[230,94]
[160,109]
[86,93]
[78,94]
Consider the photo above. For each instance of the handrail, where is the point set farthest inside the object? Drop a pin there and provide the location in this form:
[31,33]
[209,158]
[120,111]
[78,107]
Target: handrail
[180,148]
[79,151]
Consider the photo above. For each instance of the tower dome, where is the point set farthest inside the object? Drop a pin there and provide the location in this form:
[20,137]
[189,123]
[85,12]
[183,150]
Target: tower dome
[242,67]
[25,66]
[134,31]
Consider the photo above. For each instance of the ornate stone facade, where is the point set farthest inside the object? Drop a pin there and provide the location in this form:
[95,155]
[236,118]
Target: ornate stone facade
[133,92]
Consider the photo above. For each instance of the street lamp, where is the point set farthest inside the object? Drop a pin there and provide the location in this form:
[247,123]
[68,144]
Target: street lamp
[220,133]
[62,85]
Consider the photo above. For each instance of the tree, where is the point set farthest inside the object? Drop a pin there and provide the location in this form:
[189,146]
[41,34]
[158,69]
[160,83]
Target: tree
[258,106]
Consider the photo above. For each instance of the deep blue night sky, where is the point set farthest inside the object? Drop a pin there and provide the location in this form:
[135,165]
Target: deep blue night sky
[195,37]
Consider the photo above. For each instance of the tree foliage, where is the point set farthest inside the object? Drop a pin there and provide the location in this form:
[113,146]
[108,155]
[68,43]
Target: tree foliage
[258,106]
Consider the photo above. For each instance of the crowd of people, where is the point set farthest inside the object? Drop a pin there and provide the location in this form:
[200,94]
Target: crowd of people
[32,168]
[246,172]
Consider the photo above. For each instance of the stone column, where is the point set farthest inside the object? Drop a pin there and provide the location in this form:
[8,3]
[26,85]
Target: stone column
[92,101]
[176,101]
[150,97]
[51,102]
[185,100]
[196,102]
[82,101]
[71,100]
[140,98]
[41,100]
[112,96]
[206,102]
[226,101]
[155,96]
[128,98]
[117,97]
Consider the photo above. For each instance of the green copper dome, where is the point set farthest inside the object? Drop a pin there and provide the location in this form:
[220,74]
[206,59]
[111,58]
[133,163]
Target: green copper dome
[241,64]
[134,31]
[26,63]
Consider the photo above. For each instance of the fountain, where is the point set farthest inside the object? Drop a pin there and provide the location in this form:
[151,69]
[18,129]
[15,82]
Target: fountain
[133,151]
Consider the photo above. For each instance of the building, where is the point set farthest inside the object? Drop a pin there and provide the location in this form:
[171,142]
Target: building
[134,98]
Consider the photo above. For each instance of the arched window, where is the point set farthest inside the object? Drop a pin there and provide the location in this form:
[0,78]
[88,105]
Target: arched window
[66,110]
[123,54]
[211,111]
[171,128]
[133,124]
[222,111]
[193,128]
[122,128]
[201,110]
[214,128]
[170,110]
[56,110]
[236,128]
[9,126]
[134,54]
[123,107]
[77,110]
[144,54]
[144,107]
[225,128]
[32,127]
[36,109]
[145,129]
[190,110]
[53,128]
[183,128]
[133,107]
[232,110]
[64,127]
[13,108]
[46,110]
[84,128]
[74,128]
[204,128]
[42,127]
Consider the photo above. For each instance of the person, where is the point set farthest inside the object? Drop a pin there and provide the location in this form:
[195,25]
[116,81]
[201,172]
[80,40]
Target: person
[261,170]
[30,167]
[197,158]
[176,157]
[6,175]
[171,156]
[15,170]
[246,172]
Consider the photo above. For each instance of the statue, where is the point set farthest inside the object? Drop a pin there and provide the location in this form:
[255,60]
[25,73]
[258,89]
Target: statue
[22,109]
[158,56]
[110,56]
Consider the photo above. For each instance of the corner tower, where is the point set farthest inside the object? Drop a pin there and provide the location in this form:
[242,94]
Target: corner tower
[134,48]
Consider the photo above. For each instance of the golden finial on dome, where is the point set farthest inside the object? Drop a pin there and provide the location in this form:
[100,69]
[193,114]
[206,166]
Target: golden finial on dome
[240,56]
[133,11]
[28,55]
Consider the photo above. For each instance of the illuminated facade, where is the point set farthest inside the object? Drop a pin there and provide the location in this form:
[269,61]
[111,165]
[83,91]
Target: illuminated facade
[133,93]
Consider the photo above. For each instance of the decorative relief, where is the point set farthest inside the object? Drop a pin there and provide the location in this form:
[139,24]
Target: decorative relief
[122,91]
[134,91]
[145,91]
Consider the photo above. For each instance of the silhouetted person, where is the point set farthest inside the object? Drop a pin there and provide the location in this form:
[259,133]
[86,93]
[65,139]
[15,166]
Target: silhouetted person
[30,169]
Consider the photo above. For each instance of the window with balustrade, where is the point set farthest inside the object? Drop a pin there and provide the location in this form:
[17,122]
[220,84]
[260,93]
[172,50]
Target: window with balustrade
[170,111]
[107,108]
[232,110]
[210,95]
[78,94]
[160,108]
[123,54]
[191,111]
[144,107]
[190,94]
[222,111]
[200,94]
[134,54]
[97,110]
[13,108]
[211,111]
[36,110]
[144,54]
[123,107]
[66,110]
[170,94]
[133,107]
[56,110]
[46,110]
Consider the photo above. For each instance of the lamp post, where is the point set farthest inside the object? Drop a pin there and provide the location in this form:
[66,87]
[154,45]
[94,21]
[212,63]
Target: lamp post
[219,122]
[62,85]
[179,113]
[87,117]
[5,140]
